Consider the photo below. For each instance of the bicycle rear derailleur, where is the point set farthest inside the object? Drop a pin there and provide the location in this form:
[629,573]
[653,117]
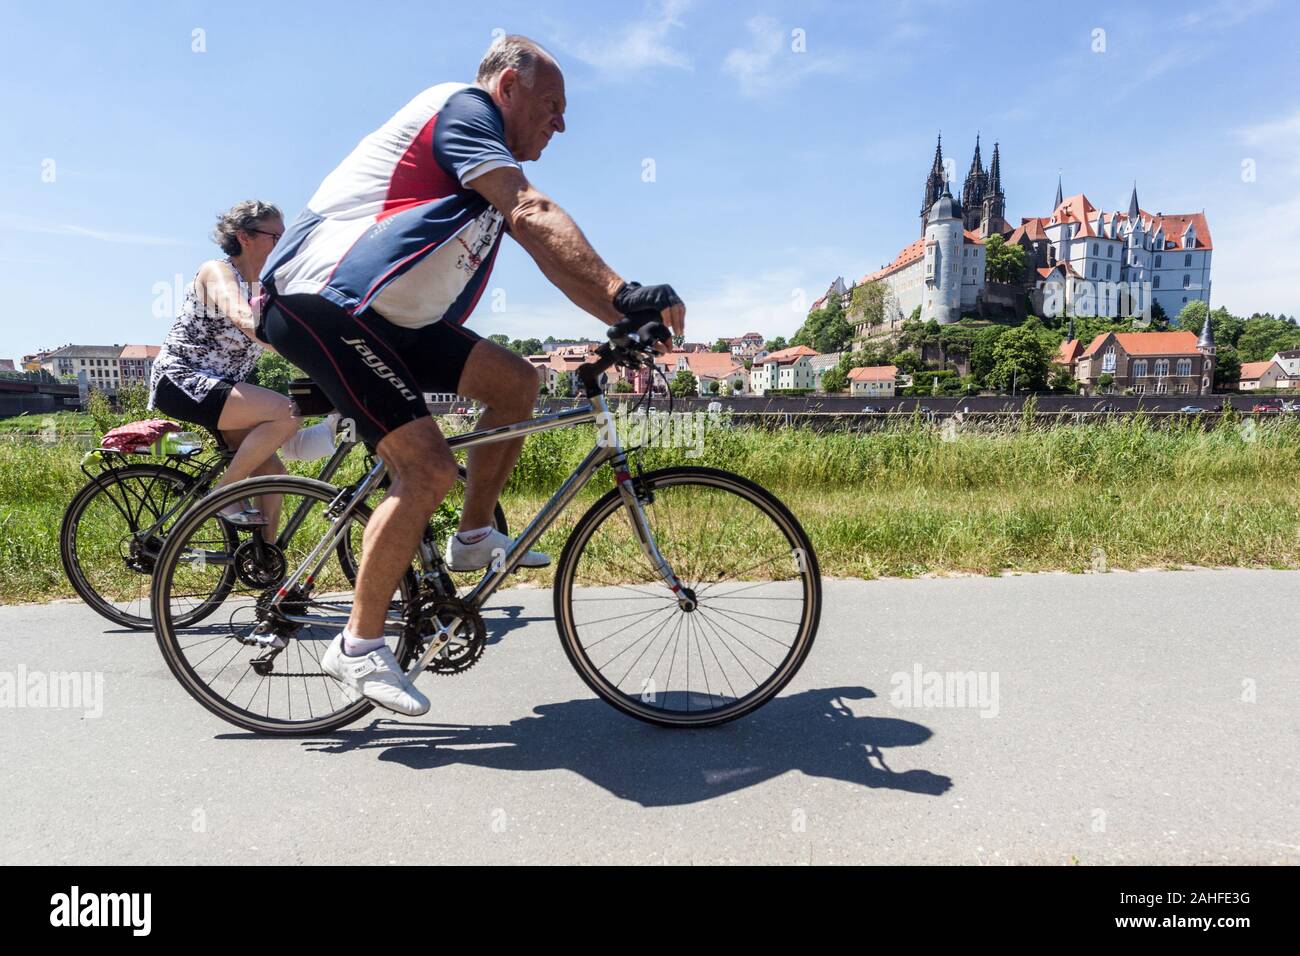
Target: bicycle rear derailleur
[457,626]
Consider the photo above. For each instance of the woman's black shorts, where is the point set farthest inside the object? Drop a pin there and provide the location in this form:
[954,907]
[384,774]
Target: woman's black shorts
[174,403]
[375,372]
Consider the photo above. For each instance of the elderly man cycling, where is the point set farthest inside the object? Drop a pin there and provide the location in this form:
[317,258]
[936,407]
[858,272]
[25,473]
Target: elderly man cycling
[368,292]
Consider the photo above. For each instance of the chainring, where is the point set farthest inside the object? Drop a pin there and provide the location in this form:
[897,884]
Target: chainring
[265,573]
[465,647]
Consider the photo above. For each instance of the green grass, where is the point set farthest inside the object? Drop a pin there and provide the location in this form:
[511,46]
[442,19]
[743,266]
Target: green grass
[1118,494]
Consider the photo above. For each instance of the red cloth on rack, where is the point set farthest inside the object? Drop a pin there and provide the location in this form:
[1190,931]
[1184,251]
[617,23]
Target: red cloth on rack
[137,435]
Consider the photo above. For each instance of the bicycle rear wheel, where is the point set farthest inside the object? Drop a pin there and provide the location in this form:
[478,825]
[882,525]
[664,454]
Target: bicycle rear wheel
[286,692]
[107,557]
[742,555]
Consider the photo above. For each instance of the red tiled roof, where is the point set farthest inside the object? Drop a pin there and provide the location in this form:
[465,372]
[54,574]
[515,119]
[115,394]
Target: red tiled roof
[1069,352]
[1062,266]
[873,373]
[1251,370]
[1033,228]
[784,356]
[972,237]
[140,351]
[1148,343]
[1176,225]
[909,254]
[711,364]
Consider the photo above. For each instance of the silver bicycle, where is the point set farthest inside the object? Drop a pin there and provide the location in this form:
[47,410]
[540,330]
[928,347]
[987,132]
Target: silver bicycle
[684,596]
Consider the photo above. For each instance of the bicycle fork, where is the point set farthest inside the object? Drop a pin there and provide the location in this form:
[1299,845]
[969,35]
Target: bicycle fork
[628,489]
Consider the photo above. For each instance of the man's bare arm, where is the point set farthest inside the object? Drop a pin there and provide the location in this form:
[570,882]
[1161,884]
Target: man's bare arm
[553,239]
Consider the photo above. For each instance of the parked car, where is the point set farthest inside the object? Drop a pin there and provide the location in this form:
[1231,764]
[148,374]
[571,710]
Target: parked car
[869,409]
[1191,409]
[1267,405]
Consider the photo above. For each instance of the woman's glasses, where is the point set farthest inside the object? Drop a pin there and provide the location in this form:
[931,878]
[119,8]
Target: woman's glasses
[262,232]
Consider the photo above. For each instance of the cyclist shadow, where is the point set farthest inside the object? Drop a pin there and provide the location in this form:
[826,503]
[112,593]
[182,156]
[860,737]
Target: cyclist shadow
[814,732]
[501,619]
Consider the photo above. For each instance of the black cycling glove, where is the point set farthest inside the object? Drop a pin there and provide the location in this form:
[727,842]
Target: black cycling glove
[634,297]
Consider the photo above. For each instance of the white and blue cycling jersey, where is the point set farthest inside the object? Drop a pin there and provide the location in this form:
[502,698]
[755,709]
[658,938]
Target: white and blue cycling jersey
[396,227]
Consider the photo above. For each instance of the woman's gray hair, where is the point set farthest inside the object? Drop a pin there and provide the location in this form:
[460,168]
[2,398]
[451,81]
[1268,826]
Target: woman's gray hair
[511,52]
[246,215]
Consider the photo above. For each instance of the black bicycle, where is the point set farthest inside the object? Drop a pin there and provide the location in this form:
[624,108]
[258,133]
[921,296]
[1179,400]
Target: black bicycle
[114,526]
[684,596]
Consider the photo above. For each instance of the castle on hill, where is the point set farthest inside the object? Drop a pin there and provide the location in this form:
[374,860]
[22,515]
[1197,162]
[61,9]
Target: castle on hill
[1079,260]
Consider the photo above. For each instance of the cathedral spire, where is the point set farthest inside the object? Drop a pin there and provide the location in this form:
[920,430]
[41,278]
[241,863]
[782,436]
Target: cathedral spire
[1206,342]
[972,193]
[934,183]
[1059,199]
[1133,211]
[993,215]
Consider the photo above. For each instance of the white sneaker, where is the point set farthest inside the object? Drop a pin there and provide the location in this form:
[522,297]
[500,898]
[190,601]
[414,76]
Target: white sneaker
[375,676]
[474,557]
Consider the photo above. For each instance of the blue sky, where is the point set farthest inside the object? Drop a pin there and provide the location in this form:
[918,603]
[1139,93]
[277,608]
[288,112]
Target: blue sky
[774,169]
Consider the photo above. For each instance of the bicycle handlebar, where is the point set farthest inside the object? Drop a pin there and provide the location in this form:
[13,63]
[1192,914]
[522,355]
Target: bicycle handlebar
[632,341]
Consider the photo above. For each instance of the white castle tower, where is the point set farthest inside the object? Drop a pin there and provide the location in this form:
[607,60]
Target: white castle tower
[941,299]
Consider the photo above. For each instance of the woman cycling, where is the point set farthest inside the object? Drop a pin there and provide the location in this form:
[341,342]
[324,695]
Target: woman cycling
[199,374]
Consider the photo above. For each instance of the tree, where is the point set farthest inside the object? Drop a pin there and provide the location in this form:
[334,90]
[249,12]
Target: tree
[275,372]
[722,345]
[871,302]
[1020,356]
[835,379]
[1061,380]
[562,389]
[776,344]
[1002,262]
[622,385]
[825,329]
[683,383]
[713,387]
[1104,381]
[1227,368]
[1263,336]
[526,346]
[981,353]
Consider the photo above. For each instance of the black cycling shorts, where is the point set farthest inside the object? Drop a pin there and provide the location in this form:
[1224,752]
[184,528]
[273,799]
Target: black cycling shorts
[375,372]
[174,403]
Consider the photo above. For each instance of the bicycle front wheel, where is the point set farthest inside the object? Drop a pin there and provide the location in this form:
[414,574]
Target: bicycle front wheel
[753,574]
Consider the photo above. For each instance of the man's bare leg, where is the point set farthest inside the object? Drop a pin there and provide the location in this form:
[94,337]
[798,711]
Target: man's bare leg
[507,386]
[423,471]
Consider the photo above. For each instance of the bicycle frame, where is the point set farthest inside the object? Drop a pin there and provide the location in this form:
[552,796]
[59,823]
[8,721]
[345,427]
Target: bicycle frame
[608,449]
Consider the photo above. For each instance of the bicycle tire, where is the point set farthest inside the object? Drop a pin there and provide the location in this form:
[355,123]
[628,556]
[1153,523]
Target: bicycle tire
[610,505]
[69,553]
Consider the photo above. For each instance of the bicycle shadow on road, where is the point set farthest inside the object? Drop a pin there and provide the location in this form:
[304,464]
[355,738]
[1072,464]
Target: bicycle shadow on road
[814,732]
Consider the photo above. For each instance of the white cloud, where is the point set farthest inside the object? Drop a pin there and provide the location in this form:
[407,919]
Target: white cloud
[638,45]
[43,227]
[1252,275]
[774,61]
[772,302]
[1224,13]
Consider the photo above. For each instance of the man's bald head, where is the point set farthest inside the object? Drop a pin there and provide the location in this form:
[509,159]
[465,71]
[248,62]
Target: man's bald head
[527,86]
[512,52]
